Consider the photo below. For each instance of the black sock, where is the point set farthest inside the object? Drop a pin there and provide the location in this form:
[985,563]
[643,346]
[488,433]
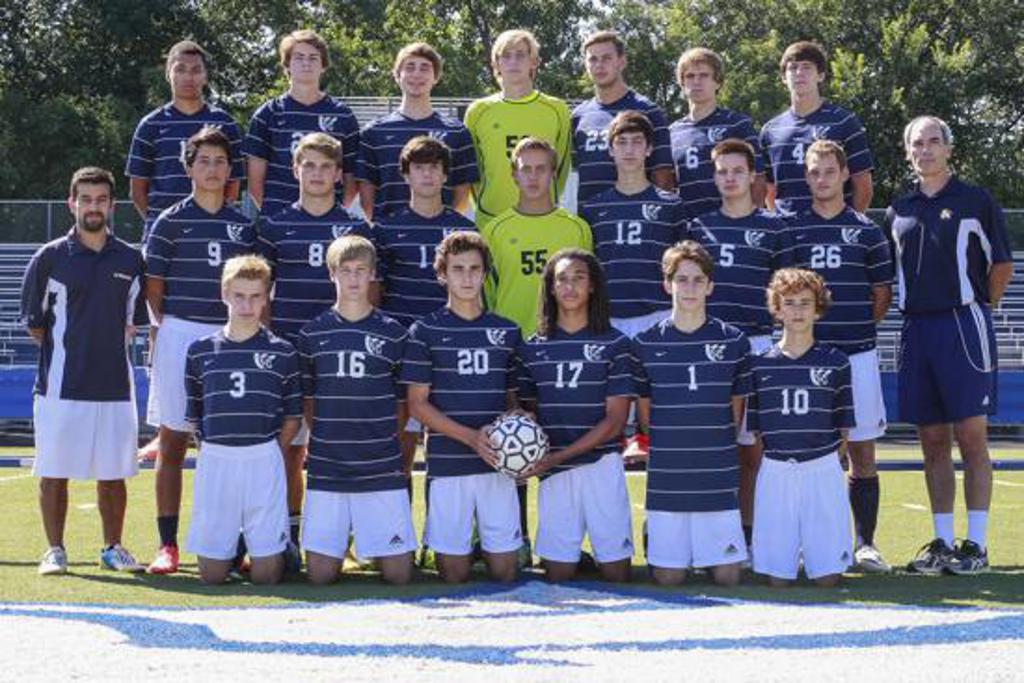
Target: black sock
[240,549]
[168,526]
[294,519]
[864,494]
[408,489]
[521,491]
[748,533]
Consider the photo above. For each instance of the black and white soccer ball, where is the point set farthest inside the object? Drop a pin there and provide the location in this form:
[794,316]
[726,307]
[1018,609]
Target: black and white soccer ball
[519,442]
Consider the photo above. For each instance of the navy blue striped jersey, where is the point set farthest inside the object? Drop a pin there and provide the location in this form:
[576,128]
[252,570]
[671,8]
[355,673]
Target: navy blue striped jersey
[692,142]
[158,145]
[786,137]
[350,369]
[690,379]
[381,143]
[945,245]
[851,254]
[406,242]
[83,300]
[295,244]
[239,393]
[570,376]
[746,252]
[800,405]
[631,232]
[187,249]
[470,367]
[590,121]
[275,130]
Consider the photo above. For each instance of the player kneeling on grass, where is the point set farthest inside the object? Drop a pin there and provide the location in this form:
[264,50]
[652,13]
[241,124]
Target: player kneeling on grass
[801,404]
[694,375]
[351,355]
[458,365]
[245,401]
[577,374]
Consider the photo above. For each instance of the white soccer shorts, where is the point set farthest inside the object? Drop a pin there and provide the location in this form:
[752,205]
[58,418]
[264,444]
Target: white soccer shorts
[454,501]
[679,540]
[587,500]
[868,403]
[93,440]
[631,327]
[801,508]
[239,488]
[167,399]
[381,522]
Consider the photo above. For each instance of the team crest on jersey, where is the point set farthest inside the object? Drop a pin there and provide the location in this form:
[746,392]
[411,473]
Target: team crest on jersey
[496,336]
[340,230]
[592,352]
[820,376]
[264,361]
[716,133]
[327,123]
[651,211]
[821,132]
[851,235]
[715,352]
[753,238]
[374,345]
[946,214]
[235,232]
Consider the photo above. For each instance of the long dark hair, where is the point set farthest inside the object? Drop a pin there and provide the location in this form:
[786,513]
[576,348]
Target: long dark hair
[598,309]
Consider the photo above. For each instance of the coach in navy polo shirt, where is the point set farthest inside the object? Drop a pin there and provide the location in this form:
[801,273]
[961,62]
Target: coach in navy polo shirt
[80,299]
[953,262]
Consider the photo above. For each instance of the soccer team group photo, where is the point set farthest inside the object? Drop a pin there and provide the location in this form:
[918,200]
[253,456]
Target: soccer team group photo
[532,299]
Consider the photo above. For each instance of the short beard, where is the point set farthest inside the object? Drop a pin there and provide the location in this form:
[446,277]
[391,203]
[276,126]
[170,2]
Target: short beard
[88,226]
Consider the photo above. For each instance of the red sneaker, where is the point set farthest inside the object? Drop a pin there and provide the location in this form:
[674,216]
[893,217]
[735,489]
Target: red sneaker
[166,560]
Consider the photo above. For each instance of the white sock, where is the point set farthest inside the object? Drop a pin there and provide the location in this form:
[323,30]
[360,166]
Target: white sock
[977,526]
[943,522]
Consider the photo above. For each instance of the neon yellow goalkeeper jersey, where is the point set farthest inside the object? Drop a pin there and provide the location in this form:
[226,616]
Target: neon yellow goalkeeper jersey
[496,125]
[520,246]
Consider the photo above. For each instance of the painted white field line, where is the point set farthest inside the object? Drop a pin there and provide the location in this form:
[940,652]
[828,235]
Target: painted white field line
[1011,484]
[16,477]
[914,506]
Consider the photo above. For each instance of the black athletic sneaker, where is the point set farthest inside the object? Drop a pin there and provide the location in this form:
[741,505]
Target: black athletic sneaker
[932,559]
[968,559]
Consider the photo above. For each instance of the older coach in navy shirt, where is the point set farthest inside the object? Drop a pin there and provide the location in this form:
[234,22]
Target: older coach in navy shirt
[953,262]
[80,299]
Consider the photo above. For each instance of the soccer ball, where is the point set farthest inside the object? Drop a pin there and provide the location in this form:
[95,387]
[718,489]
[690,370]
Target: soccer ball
[519,442]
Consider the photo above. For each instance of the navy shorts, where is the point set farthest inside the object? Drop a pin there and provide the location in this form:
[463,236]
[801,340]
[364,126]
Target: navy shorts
[947,366]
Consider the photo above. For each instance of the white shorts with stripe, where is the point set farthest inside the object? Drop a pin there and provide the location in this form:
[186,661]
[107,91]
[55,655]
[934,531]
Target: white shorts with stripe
[490,498]
[801,509]
[93,440]
[868,402]
[381,522]
[758,345]
[590,500]
[239,488]
[679,540]
[166,405]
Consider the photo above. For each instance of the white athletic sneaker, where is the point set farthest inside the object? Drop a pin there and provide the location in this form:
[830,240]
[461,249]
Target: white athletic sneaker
[868,560]
[118,558]
[55,561]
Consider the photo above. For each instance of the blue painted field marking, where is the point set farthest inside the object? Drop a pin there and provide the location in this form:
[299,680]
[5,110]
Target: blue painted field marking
[155,632]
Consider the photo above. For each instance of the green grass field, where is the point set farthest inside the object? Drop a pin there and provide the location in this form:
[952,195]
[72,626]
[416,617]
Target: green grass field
[904,524]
